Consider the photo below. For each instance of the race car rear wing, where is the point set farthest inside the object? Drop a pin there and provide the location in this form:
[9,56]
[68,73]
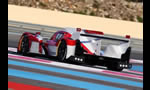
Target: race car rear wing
[106,37]
[99,34]
[111,50]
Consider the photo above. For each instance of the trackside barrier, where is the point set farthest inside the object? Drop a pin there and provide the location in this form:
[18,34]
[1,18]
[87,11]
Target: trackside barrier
[31,26]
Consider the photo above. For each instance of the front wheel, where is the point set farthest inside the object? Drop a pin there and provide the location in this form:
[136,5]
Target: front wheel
[62,51]
[24,45]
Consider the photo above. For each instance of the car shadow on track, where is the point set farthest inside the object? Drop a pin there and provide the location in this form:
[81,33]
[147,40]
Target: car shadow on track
[50,58]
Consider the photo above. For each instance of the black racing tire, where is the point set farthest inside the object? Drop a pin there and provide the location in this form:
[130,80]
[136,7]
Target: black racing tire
[24,45]
[62,51]
[19,45]
[114,68]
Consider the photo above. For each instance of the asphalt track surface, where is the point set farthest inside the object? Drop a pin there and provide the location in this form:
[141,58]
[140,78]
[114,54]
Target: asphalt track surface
[49,73]
[67,80]
[52,74]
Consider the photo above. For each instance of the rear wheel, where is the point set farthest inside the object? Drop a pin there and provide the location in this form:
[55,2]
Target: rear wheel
[62,51]
[114,68]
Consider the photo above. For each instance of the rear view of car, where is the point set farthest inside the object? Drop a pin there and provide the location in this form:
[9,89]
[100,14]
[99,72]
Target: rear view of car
[114,57]
[79,45]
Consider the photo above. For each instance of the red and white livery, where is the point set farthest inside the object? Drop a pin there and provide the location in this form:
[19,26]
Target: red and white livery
[78,45]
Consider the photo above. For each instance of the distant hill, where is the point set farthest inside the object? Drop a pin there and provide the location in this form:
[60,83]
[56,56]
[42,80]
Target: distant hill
[130,10]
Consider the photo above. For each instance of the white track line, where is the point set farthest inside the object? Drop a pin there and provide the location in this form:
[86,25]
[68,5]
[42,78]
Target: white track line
[12,49]
[131,71]
[75,67]
[125,70]
[136,61]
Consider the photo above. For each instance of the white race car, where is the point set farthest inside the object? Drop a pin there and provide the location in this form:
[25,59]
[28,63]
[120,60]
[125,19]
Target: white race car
[78,45]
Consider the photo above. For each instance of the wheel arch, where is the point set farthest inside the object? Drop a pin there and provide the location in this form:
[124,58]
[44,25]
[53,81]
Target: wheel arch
[29,36]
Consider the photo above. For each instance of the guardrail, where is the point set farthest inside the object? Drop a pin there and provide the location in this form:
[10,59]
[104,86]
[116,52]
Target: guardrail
[33,26]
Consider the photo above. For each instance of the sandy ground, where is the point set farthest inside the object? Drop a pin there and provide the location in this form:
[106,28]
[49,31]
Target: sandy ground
[62,19]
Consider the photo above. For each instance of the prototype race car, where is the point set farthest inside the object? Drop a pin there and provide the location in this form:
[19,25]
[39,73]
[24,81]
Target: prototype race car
[78,45]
